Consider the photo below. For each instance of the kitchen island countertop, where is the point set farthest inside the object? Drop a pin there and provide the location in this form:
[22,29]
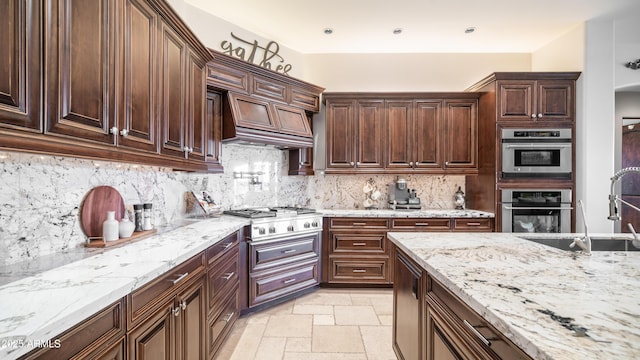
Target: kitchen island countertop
[536,295]
[40,306]
[423,213]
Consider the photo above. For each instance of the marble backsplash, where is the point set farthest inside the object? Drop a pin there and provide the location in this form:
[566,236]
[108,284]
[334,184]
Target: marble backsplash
[41,195]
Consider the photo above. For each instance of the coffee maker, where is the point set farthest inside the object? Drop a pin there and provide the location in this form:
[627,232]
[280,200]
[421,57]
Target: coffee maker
[401,197]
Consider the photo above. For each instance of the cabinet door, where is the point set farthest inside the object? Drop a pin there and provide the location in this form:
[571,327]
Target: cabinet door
[407,293]
[439,345]
[190,329]
[213,122]
[196,106]
[426,132]
[172,90]
[154,338]
[292,120]
[340,134]
[555,100]
[400,147]
[461,127]
[140,67]
[80,48]
[516,100]
[21,64]
[370,125]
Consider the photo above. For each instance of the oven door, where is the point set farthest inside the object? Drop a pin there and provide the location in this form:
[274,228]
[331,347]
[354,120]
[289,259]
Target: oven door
[536,159]
[536,210]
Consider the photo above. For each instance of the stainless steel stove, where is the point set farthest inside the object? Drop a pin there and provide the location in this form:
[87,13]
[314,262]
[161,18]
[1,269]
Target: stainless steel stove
[279,222]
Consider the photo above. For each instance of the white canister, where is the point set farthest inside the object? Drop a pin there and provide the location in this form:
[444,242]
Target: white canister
[110,227]
[126,227]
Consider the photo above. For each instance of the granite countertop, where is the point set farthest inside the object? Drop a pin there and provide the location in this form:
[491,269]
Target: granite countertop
[423,213]
[40,306]
[538,296]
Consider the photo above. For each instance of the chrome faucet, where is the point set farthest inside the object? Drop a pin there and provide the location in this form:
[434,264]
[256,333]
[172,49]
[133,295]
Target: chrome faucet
[615,199]
[583,243]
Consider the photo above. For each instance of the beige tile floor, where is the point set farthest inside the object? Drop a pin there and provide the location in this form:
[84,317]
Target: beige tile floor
[327,324]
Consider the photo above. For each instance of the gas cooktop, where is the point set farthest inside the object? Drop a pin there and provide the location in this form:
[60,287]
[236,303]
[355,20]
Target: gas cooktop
[270,212]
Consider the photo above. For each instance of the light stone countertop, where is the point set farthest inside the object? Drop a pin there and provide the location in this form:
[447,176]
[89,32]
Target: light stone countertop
[423,213]
[45,304]
[535,295]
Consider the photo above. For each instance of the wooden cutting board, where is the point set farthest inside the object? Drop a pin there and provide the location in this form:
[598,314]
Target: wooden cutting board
[94,207]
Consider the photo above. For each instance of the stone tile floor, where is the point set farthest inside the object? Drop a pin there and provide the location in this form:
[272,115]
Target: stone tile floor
[327,324]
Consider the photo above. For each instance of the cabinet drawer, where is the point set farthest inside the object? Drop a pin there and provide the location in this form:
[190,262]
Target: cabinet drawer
[145,300]
[355,270]
[356,223]
[223,279]
[473,224]
[359,243]
[217,250]
[267,254]
[469,324]
[306,100]
[270,285]
[425,224]
[88,338]
[222,324]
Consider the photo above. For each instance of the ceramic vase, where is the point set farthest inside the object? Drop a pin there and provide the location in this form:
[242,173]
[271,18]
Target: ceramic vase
[126,227]
[110,227]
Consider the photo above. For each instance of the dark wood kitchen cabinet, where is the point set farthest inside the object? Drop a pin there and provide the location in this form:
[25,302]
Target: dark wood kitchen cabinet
[111,73]
[354,134]
[408,297]
[537,100]
[213,131]
[412,133]
[22,62]
[166,318]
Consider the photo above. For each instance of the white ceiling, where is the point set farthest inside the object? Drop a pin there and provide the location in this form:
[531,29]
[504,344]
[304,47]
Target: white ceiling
[366,26]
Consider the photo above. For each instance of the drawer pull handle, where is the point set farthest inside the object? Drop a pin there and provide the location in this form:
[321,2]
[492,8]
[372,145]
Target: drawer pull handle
[359,224]
[228,317]
[228,276]
[473,224]
[359,270]
[477,333]
[289,251]
[422,224]
[227,245]
[359,244]
[289,281]
[180,278]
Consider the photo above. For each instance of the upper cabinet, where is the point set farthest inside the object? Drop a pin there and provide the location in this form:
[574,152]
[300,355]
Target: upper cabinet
[401,132]
[21,64]
[125,80]
[542,98]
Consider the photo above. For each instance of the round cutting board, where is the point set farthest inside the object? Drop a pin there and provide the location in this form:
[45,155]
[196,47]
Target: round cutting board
[94,207]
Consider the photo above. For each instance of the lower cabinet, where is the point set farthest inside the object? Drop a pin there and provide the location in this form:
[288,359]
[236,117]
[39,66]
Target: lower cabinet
[175,330]
[408,297]
[430,322]
[356,251]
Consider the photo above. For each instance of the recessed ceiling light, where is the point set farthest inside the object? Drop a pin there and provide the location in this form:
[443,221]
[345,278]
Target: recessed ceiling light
[328,31]
[397,31]
[469,30]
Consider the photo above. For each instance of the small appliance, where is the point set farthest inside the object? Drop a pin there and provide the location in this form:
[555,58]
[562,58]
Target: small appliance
[401,197]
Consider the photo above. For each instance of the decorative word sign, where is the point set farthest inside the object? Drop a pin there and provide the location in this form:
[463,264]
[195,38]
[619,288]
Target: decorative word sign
[256,54]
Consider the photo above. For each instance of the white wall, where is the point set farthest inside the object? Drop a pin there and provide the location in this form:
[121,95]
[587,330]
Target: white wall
[408,72]
[566,53]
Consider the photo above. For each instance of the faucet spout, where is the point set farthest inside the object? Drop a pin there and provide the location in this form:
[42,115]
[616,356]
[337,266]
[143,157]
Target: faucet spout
[583,243]
[615,199]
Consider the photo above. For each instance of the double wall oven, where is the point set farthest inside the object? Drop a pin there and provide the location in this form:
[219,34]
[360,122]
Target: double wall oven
[536,180]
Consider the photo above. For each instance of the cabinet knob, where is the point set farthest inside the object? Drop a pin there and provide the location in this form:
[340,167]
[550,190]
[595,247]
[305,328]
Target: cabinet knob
[533,116]
[183,305]
[114,130]
[411,163]
[176,311]
[540,116]
[124,132]
[446,163]
[353,164]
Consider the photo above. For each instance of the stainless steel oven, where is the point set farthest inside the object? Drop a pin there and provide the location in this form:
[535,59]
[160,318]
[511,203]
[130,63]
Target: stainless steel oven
[536,153]
[536,210]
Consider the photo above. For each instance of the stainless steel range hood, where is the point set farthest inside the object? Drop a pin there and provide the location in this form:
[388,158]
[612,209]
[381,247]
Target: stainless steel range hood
[251,120]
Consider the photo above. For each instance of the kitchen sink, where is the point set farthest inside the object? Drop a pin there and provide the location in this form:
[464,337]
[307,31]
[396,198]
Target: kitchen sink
[597,243]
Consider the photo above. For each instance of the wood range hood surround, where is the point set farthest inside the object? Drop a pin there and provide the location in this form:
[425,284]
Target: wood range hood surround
[262,106]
